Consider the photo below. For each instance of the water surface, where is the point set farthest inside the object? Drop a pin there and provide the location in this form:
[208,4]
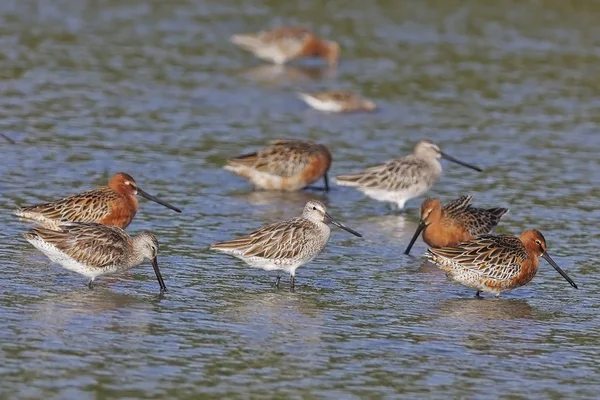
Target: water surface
[89,88]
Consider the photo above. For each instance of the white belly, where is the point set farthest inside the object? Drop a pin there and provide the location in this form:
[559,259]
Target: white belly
[68,262]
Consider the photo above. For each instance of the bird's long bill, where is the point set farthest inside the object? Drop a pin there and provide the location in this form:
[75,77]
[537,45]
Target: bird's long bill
[157,200]
[161,282]
[557,268]
[414,238]
[454,160]
[339,225]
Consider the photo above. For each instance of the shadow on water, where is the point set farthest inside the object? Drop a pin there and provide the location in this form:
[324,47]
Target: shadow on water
[385,227]
[277,317]
[475,310]
[71,308]
[275,206]
[286,74]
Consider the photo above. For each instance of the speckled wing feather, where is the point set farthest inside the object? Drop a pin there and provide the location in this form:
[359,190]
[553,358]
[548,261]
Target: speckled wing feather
[336,96]
[497,257]
[282,240]
[287,41]
[458,206]
[477,221]
[297,32]
[88,206]
[90,244]
[285,157]
[398,174]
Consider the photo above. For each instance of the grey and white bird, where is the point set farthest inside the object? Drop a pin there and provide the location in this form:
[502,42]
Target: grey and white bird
[402,179]
[286,245]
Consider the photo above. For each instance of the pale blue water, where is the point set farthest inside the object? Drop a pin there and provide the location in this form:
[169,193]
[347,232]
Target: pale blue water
[155,89]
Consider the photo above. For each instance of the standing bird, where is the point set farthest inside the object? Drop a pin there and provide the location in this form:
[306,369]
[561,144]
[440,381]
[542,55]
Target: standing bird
[337,101]
[456,222]
[285,245]
[495,263]
[113,205]
[281,45]
[92,250]
[402,179]
[285,164]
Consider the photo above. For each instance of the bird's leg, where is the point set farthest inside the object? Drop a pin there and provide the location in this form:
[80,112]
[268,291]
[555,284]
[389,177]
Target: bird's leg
[91,284]
[324,189]
[276,284]
[292,286]
[478,295]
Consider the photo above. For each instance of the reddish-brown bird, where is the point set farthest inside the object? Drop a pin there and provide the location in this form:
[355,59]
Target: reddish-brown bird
[285,164]
[455,222]
[281,45]
[112,205]
[495,263]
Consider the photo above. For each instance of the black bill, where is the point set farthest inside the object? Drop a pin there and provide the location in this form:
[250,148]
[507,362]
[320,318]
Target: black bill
[546,257]
[161,282]
[457,161]
[414,238]
[339,225]
[157,200]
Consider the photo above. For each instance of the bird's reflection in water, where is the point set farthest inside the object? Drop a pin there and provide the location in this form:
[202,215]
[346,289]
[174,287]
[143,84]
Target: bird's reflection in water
[275,205]
[475,310]
[278,317]
[93,309]
[427,267]
[387,228]
[283,74]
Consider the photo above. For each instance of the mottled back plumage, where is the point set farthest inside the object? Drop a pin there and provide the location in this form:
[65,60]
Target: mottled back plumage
[402,179]
[285,164]
[287,240]
[89,206]
[113,205]
[280,45]
[285,245]
[283,157]
[397,174]
[495,263]
[497,257]
[477,221]
[92,249]
[91,244]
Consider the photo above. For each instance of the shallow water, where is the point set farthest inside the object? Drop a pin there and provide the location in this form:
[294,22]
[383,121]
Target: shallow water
[155,89]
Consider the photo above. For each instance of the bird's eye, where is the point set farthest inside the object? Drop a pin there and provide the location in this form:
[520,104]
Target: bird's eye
[538,242]
[315,208]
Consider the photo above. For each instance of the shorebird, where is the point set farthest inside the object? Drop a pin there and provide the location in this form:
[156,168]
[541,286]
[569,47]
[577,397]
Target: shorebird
[113,205]
[285,246]
[456,222]
[495,263]
[281,45]
[337,101]
[285,164]
[402,179]
[92,250]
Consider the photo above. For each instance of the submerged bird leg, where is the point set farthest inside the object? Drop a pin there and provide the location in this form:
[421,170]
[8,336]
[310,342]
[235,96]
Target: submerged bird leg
[478,295]
[91,284]
[276,284]
[292,286]
[326,180]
